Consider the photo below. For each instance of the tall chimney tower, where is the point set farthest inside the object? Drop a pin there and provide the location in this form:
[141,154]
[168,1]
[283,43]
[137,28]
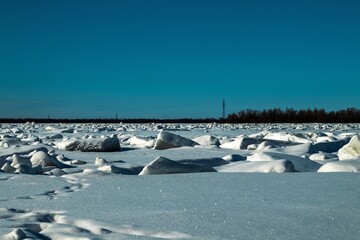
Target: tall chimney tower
[223,109]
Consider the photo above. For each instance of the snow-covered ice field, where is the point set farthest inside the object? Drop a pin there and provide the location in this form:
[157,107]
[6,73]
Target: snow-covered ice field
[179,181]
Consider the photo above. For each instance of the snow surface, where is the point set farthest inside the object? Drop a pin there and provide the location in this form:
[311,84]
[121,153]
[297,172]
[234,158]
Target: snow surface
[246,181]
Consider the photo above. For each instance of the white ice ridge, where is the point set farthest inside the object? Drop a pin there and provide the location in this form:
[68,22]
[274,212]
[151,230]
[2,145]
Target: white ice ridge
[350,150]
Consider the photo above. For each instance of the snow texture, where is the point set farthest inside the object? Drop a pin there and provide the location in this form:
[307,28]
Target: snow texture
[238,181]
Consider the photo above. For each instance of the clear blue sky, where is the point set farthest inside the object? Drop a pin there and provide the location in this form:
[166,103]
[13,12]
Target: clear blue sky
[176,58]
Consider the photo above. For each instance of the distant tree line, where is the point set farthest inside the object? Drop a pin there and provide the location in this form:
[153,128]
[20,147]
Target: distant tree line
[275,115]
[108,120]
[290,115]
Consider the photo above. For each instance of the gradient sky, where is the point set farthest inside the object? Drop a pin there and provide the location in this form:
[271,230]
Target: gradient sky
[176,58]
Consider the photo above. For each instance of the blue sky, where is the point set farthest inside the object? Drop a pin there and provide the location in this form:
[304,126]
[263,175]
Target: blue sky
[178,58]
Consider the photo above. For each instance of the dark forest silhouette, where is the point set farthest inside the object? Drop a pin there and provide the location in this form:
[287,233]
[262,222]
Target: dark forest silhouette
[107,120]
[290,115]
[275,115]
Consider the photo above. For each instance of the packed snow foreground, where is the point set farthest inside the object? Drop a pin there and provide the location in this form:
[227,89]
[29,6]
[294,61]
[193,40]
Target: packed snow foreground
[88,181]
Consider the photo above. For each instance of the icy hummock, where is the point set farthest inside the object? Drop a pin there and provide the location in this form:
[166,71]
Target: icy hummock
[91,145]
[350,150]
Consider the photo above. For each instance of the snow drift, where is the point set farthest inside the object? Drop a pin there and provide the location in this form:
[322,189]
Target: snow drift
[167,140]
[90,145]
